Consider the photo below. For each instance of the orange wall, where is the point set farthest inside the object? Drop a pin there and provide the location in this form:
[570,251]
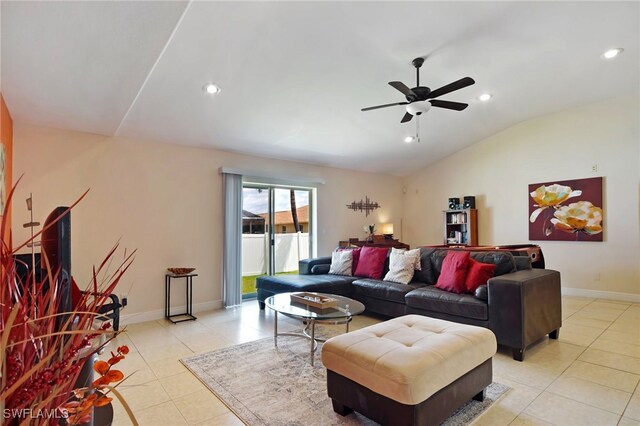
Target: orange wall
[6,137]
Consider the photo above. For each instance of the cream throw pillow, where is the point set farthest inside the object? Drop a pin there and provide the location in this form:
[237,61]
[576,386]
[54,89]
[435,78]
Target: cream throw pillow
[401,267]
[415,252]
[341,262]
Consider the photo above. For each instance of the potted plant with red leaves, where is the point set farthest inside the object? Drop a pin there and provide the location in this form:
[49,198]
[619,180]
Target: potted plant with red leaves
[43,349]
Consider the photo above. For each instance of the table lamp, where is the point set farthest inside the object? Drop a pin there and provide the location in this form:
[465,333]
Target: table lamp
[387,230]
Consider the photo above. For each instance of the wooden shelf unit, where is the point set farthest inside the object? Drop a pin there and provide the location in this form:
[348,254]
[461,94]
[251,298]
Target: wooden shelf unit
[463,224]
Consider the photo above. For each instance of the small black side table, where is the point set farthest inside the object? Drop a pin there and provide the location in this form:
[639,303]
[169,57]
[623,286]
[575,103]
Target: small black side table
[167,298]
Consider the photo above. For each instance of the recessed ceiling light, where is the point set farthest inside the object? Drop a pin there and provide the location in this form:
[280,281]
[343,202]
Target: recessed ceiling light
[612,53]
[409,139]
[211,88]
[485,97]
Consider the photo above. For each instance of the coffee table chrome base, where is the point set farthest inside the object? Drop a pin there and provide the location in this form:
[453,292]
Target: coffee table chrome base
[310,324]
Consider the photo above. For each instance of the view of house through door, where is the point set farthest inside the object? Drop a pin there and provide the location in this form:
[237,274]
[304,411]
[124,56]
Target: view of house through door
[275,232]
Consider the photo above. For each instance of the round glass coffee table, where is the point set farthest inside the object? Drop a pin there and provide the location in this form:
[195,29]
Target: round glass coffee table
[341,314]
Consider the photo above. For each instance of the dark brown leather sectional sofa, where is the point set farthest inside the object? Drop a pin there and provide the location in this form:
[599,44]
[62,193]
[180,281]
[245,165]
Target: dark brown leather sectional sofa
[519,304]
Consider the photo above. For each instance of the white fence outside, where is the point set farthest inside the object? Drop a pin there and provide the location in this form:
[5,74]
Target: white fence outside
[289,249]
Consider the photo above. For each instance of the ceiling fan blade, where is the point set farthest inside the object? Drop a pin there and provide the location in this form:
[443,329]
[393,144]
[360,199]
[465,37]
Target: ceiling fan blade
[398,85]
[384,106]
[407,117]
[451,87]
[458,106]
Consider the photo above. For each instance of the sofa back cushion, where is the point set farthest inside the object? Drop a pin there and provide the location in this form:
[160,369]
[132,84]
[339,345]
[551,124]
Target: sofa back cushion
[504,261]
[372,262]
[522,262]
[426,274]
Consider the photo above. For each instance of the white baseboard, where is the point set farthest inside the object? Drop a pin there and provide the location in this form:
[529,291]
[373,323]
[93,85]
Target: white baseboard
[159,313]
[597,294]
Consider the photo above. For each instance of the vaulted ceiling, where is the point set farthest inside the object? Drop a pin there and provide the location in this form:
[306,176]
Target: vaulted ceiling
[294,75]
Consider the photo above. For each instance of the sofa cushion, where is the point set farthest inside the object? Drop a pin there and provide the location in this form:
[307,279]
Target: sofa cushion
[372,262]
[478,274]
[504,261]
[454,272]
[335,284]
[522,262]
[341,262]
[433,299]
[426,273]
[384,290]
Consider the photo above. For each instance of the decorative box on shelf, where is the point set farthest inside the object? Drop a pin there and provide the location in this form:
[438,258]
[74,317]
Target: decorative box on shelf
[315,300]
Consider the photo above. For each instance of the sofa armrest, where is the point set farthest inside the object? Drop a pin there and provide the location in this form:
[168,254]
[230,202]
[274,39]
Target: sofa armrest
[305,265]
[524,306]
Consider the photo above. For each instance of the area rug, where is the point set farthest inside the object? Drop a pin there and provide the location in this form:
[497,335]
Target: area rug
[265,385]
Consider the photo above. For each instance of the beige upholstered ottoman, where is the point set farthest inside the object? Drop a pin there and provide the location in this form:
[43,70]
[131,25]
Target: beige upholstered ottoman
[411,370]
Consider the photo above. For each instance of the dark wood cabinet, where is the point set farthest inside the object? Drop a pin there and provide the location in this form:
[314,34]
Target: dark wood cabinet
[460,227]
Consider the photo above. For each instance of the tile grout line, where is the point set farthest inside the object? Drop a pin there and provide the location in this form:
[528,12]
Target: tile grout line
[632,393]
[528,414]
[572,361]
[563,371]
[612,322]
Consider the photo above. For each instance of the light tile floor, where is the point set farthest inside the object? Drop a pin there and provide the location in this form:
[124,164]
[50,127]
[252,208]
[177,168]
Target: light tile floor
[588,377]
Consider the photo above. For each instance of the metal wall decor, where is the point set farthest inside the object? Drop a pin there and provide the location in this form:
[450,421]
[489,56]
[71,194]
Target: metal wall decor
[366,206]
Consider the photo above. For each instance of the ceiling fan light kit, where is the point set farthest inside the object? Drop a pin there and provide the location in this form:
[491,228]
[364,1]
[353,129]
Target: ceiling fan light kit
[420,98]
[417,108]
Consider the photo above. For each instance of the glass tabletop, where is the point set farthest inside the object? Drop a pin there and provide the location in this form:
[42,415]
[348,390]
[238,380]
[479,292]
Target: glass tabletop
[346,307]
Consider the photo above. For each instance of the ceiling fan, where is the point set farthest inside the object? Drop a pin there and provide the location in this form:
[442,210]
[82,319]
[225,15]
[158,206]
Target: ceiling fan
[420,99]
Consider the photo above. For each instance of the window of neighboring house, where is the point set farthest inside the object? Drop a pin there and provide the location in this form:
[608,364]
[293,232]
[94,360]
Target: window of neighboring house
[284,229]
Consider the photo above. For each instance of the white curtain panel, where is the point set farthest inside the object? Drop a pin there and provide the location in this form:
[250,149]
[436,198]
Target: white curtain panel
[232,249]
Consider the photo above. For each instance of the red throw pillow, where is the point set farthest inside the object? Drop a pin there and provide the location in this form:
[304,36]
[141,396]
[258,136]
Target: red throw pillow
[477,274]
[371,262]
[454,271]
[356,257]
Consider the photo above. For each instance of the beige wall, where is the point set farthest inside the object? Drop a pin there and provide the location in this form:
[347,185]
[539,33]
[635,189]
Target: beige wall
[560,146]
[166,201]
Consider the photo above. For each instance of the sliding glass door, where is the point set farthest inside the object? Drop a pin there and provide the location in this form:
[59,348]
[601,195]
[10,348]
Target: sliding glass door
[276,225]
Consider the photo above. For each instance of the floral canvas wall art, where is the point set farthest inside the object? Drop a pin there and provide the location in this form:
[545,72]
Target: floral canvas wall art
[568,210]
